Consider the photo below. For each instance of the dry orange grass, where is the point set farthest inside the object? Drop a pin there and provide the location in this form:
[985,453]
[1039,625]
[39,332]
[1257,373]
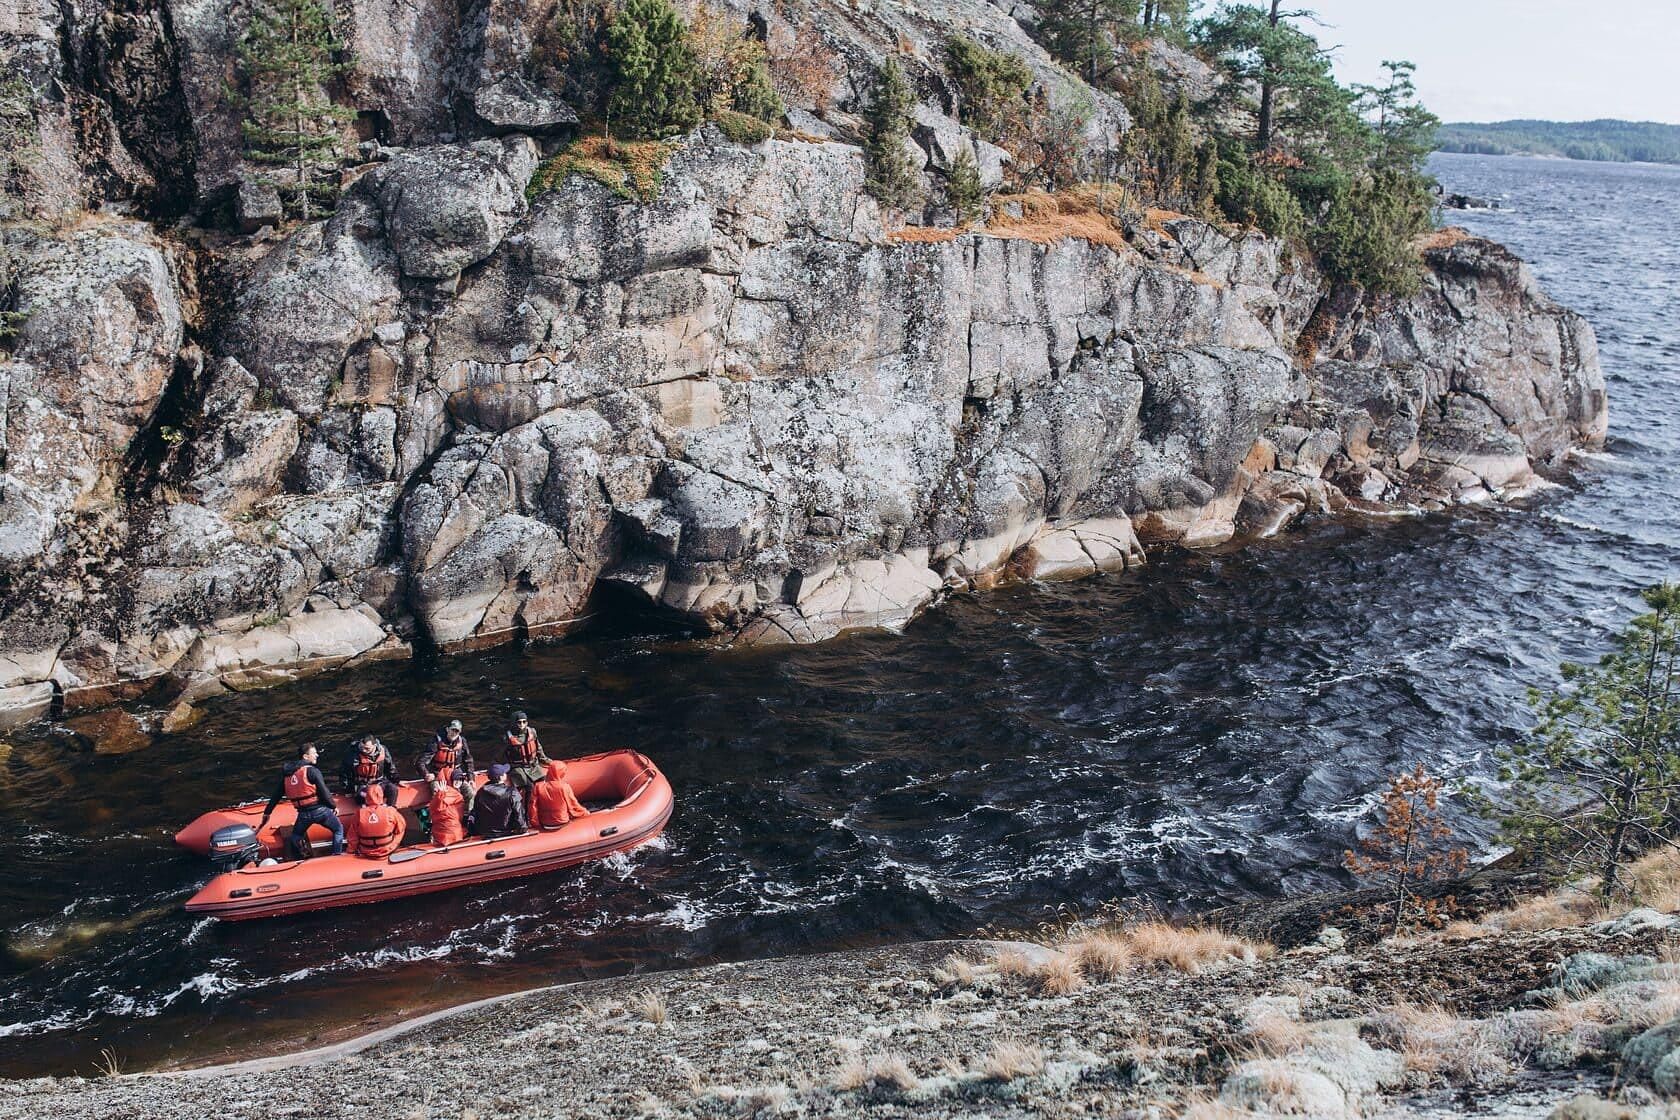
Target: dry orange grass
[1435,1042]
[1275,1034]
[1444,238]
[1012,962]
[1104,954]
[1074,214]
[1190,950]
[882,1071]
[925,235]
[1009,1060]
[1059,976]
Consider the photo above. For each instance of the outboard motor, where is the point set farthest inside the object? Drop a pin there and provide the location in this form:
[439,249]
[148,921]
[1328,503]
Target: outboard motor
[234,846]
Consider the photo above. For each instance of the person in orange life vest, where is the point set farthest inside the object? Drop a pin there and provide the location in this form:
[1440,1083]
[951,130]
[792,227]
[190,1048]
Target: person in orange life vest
[525,759]
[449,751]
[378,827]
[368,762]
[556,802]
[302,784]
[448,809]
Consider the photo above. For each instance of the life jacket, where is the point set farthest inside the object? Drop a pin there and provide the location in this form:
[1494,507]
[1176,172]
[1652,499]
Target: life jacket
[523,752]
[369,769]
[300,790]
[554,801]
[448,810]
[444,754]
[378,826]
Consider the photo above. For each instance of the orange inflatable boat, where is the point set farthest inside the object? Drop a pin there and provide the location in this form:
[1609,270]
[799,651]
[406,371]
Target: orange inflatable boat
[630,799]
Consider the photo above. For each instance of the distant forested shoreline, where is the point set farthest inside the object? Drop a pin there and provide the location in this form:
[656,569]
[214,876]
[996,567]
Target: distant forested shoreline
[1603,140]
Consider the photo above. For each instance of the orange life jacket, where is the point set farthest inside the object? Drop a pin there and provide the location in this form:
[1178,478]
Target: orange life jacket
[368,769]
[523,752]
[444,754]
[300,790]
[448,810]
[554,801]
[378,826]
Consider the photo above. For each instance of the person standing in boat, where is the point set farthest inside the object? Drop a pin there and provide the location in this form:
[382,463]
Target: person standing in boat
[525,759]
[302,783]
[449,751]
[499,810]
[368,762]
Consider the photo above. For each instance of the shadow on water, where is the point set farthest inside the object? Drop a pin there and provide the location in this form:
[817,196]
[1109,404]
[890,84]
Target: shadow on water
[1207,730]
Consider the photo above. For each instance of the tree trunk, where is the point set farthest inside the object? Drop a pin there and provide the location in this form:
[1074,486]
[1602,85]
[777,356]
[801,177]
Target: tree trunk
[1268,91]
[297,121]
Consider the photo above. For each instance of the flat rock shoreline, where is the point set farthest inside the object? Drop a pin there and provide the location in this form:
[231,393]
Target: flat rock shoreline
[938,1029]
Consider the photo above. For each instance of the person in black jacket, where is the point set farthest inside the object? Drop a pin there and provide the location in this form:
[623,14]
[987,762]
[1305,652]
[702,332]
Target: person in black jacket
[449,750]
[302,783]
[366,762]
[499,809]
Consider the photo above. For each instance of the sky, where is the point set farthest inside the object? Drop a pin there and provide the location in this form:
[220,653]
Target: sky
[1488,60]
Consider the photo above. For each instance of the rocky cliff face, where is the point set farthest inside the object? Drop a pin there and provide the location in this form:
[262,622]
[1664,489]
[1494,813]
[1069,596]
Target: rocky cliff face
[451,415]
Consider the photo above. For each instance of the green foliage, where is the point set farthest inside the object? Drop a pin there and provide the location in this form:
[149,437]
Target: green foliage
[1599,779]
[755,93]
[892,177]
[1254,196]
[570,55]
[1170,162]
[733,66]
[284,61]
[632,169]
[655,82]
[1342,168]
[1085,33]
[991,85]
[742,129]
[1605,140]
[965,190]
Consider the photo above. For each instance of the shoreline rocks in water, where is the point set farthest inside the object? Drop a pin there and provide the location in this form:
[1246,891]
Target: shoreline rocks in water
[459,411]
[1141,1024]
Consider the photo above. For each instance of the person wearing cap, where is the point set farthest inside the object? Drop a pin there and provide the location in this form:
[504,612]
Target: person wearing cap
[527,764]
[499,810]
[368,762]
[449,751]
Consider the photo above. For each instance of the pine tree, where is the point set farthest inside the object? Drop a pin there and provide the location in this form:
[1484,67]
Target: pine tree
[966,191]
[655,93]
[285,59]
[1599,780]
[1411,844]
[892,177]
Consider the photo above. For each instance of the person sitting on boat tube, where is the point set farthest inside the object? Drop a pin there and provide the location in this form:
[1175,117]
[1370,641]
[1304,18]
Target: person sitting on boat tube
[525,758]
[448,810]
[449,751]
[555,799]
[302,784]
[499,809]
[378,827]
[368,762]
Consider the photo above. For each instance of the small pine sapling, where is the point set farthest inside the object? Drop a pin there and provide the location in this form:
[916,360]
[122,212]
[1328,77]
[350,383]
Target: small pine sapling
[1411,843]
[892,177]
[284,59]
[966,191]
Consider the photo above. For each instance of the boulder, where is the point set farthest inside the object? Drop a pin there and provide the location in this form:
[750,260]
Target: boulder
[256,203]
[448,206]
[512,104]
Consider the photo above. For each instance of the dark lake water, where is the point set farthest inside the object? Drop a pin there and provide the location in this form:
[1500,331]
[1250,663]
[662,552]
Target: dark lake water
[1206,730]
